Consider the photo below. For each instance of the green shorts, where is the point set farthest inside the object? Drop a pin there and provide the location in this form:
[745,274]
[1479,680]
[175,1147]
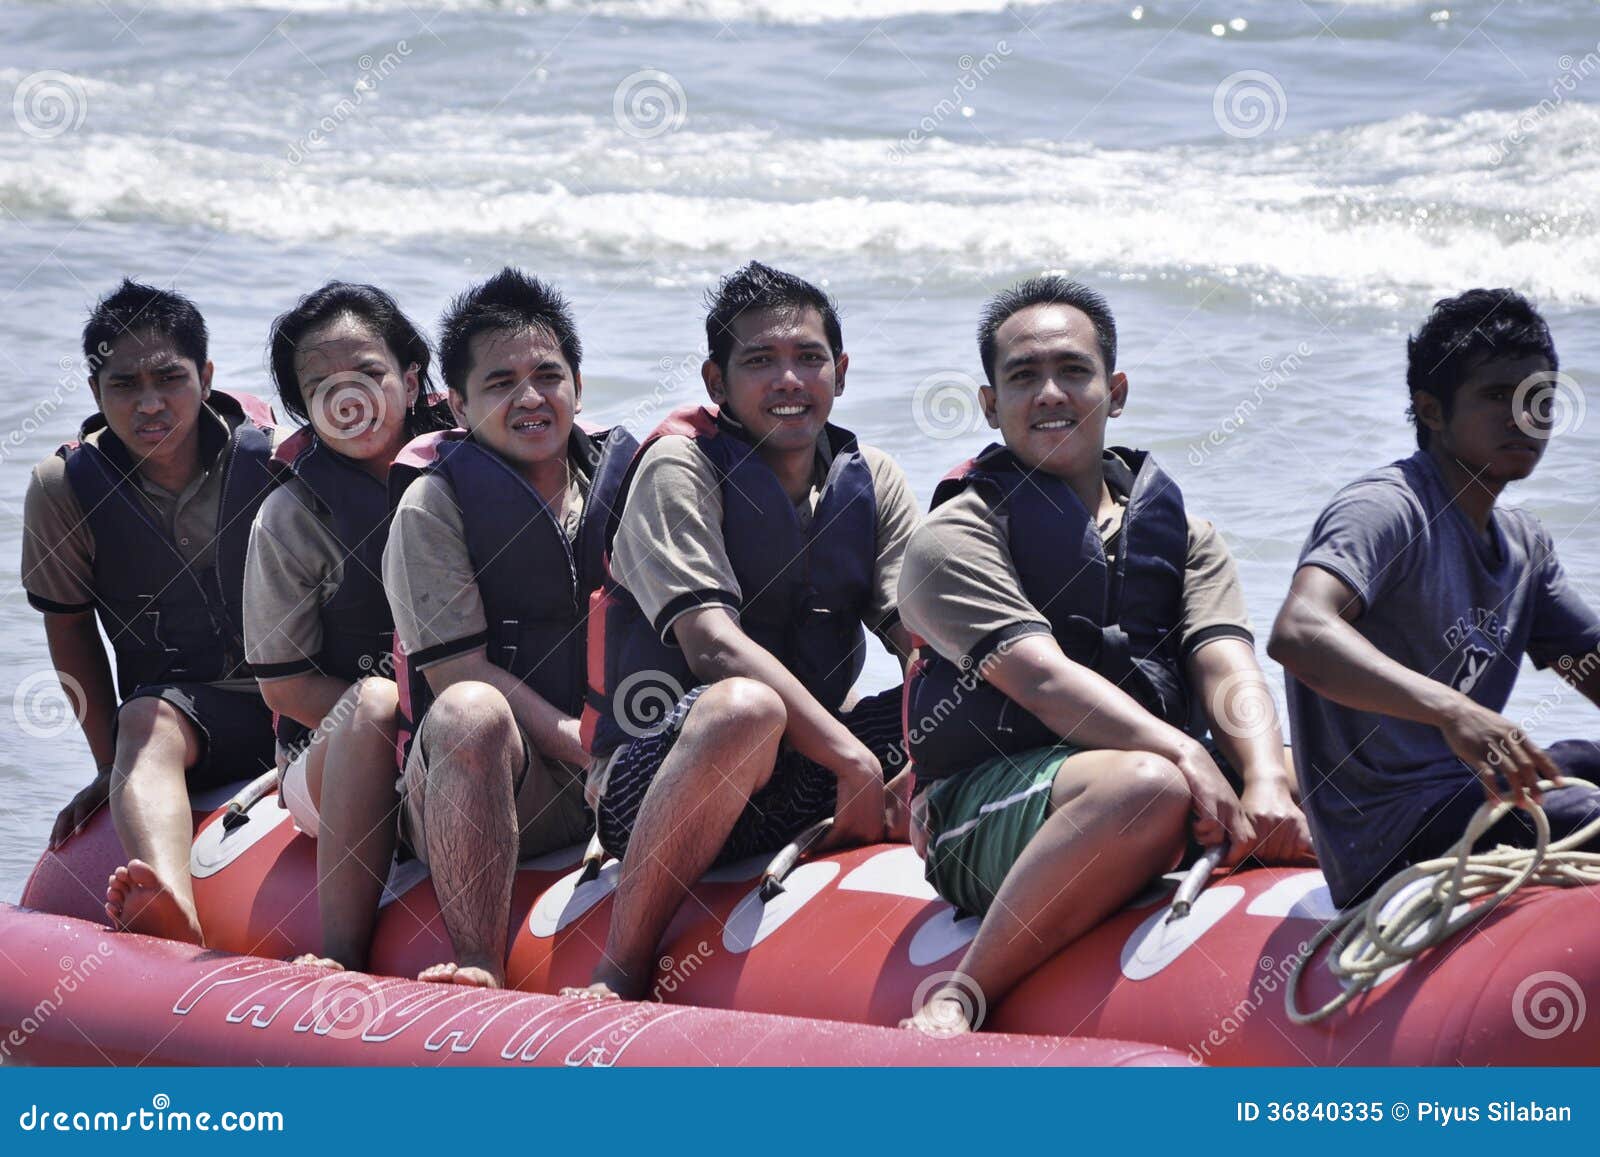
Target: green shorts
[979,822]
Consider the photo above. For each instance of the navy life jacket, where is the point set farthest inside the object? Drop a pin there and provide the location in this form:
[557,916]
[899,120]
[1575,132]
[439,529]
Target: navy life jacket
[1122,621]
[804,590]
[357,625]
[534,583]
[167,620]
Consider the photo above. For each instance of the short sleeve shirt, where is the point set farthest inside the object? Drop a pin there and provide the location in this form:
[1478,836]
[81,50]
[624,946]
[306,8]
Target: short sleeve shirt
[1443,601]
[669,551]
[295,565]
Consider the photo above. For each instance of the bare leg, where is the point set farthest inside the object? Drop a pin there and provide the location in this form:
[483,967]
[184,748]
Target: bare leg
[470,818]
[1117,819]
[153,893]
[724,756]
[356,818]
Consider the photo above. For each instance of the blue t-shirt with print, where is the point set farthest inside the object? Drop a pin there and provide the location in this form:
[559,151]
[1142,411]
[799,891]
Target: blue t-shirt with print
[1446,602]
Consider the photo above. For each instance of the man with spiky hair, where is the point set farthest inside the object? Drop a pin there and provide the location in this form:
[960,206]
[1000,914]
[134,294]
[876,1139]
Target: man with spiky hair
[756,542]
[143,522]
[1416,597]
[1085,630]
[492,556]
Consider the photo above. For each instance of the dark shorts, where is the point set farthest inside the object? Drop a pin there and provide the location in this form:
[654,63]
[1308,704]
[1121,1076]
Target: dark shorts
[1567,809]
[236,739]
[800,792]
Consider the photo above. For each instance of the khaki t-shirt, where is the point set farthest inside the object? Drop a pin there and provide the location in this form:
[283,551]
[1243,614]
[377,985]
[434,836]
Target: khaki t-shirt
[669,551]
[295,565]
[438,612]
[960,590]
[58,549]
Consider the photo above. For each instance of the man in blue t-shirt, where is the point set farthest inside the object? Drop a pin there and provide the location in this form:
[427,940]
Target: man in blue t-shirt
[1413,604]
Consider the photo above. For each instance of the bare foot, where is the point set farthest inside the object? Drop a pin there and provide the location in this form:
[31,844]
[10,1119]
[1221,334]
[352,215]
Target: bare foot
[138,901]
[460,974]
[599,990]
[942,1016]
[316,961]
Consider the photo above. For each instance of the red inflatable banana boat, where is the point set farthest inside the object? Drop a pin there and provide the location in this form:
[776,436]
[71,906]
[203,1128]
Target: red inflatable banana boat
[858,936]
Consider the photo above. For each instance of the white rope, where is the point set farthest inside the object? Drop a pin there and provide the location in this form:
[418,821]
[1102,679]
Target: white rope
[1372,942]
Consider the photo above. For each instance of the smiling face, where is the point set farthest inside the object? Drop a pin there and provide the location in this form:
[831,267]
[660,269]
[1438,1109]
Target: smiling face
[1051,394]
[521,396]
[1497,435]
[355,391]
[782,378]
[151,395]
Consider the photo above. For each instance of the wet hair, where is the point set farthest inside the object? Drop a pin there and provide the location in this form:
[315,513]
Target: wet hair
[372,308]
[133,307]
[1050,289]
[758,286]
[1461,334]
[510,300]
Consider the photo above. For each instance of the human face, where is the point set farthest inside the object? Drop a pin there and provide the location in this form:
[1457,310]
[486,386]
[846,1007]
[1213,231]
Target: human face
[521,396]
[1051,395]
[150,394]
[355,390]
[1495,430]
[782,377]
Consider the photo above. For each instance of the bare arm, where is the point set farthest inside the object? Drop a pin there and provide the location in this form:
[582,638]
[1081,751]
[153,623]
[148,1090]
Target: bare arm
[1244,723]
[306,698]
[85,673]
[1080,705]
[717,648]
[1314,640]
[552,732]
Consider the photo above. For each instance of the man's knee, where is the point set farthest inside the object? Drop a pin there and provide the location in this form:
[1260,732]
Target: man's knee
[143,721]
[469,728]
[747,704]
[377,703]
[1151,787]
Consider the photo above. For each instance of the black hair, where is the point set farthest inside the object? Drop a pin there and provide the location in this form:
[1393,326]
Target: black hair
[1462,333]
[758,286]
[376,310]
[133,307]
[510,300]
[1049,289]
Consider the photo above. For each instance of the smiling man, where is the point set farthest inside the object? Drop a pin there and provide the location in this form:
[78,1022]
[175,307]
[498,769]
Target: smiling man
[756,542]
[492,556]
[1416,598]
[1083,630]
[144,522]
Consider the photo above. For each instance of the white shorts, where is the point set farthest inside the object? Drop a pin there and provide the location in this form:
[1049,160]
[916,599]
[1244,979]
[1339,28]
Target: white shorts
[295,795]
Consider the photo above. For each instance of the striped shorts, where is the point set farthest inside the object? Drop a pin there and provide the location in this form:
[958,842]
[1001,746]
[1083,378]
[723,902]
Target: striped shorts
[800,792]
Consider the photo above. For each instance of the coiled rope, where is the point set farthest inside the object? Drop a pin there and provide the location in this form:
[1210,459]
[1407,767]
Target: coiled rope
[1371,943]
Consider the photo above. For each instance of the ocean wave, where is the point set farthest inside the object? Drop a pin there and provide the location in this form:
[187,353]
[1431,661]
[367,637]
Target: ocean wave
[1387,212]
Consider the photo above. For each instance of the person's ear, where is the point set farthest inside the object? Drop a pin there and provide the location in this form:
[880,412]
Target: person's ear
[458,407]
[840,365]
[577,393]
[716,388]
[413,381]
[989,400]
[1429,410]
[94,388]
[205,380]
[1119,394]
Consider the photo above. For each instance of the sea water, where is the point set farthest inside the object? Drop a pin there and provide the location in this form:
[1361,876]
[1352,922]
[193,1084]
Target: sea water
[1271,194]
